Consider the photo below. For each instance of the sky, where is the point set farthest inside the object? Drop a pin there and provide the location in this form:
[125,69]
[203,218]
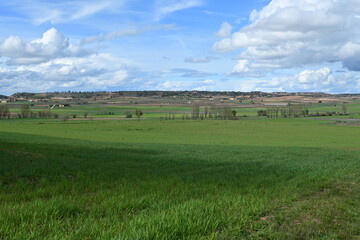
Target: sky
[135,45]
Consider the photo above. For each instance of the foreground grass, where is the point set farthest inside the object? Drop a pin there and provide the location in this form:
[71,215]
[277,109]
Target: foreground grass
[274,179]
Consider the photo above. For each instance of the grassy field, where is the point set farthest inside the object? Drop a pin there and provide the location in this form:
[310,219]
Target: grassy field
[152,179]
[160,111]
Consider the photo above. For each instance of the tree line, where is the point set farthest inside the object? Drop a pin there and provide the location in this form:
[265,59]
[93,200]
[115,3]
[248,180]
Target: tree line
[297,110]
[207,112]
[25,112]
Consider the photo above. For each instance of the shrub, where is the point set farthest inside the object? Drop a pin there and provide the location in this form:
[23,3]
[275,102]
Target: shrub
[262,113]
[128,114]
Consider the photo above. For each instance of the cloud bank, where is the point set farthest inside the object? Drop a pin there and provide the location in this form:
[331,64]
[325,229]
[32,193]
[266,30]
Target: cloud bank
[287,34]
[96,71]
[321,80]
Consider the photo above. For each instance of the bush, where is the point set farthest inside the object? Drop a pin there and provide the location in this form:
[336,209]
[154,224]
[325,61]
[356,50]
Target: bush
[262,113]
[128,114]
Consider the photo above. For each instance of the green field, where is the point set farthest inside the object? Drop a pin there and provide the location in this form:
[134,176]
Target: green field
[153,111]
[150,179]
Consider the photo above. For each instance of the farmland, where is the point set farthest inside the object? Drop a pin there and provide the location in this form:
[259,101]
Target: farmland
[108,177]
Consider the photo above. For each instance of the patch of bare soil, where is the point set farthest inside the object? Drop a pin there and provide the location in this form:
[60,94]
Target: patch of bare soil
[302,99]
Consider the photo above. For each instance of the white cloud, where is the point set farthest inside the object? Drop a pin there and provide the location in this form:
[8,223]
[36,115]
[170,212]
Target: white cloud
[243,66]
[174,85]
[167,7]
[52,45]
[94,72]
[126,33]
[225,30]
[185,73]
[91,8]
[204,85]
[320,80]
[63,11]
[206,59]
[289,33]
[319,76]
[209,82]
[250,68]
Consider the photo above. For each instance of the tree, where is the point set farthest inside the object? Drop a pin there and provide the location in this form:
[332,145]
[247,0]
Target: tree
[195,112]
[138,113]
[206,111]
[25,111]
[4,111]
[233,113]
[343,109]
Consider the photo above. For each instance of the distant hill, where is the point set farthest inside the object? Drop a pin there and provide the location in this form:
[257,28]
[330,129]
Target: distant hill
[194,94]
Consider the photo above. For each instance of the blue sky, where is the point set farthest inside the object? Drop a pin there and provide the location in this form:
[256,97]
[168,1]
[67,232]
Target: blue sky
[260,45]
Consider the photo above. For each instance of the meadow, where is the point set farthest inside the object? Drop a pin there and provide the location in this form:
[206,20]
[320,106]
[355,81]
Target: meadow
[153,111]
[253,178]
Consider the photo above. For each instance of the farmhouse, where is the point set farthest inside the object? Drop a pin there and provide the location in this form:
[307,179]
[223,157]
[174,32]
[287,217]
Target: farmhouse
[64,105]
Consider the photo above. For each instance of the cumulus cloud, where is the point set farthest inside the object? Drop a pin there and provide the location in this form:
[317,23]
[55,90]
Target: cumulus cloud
[52,45]
[166,7]
[225,30]
[320,80]
[96,71]
[287,34]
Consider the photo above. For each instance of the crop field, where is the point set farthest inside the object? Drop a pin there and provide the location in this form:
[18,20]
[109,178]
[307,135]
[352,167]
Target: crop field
[152,179]
[158,111]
